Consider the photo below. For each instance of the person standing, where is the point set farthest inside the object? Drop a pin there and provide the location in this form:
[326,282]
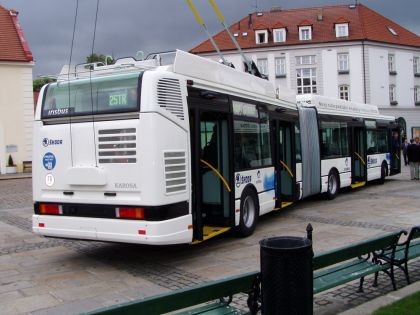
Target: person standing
[410,158]
[416,157]
[405,146]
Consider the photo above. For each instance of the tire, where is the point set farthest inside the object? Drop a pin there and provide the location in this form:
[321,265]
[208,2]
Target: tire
[248,213]
[333,185]
[381,180]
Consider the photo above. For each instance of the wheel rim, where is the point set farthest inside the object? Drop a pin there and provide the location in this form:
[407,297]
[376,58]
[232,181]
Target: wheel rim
[332,184]
[248,213]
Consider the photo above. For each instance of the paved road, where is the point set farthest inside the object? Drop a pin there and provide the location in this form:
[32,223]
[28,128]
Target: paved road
[51,276]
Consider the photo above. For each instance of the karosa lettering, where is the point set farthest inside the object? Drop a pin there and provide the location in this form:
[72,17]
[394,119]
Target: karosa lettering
[126,185]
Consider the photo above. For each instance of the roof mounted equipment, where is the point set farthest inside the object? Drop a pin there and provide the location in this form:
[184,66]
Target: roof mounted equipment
[250,65]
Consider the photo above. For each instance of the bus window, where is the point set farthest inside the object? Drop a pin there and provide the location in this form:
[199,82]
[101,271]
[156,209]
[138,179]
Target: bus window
[297,144]
[251,136]
[372,142]
[264,142]
[334,139]
[383,144]
[101,95]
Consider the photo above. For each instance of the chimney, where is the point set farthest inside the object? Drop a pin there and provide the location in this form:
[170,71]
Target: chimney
[249,20]
[239,25]
[275,9]
[320,16]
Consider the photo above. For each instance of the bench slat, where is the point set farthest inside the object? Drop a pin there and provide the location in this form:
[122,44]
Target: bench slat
[184,298]
[358,249]
[213,309]
[336,276]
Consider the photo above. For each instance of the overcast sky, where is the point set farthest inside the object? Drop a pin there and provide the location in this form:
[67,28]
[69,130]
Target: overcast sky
[127,26]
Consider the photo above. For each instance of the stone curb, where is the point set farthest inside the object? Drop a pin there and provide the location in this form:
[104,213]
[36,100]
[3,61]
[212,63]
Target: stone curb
[15,176]
[371,306]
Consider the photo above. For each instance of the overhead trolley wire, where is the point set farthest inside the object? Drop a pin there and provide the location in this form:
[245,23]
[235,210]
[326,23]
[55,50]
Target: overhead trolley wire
[68,77]
[90,81]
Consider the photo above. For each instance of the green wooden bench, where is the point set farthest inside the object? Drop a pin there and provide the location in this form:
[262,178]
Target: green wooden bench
[192,296]
[346,267]
[353,262]
[405,251]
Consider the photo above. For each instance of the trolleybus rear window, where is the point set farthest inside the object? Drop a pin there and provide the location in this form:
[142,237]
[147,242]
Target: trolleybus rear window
[101,95]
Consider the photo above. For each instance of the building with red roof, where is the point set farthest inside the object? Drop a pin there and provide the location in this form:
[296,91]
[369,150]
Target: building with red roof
[345,51]
[16,98]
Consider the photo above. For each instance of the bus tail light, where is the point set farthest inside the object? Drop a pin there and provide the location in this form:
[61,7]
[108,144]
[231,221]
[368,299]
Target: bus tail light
[130,213]
[45,208]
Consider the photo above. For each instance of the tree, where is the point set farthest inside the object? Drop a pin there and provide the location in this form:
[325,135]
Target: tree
[40,82]
[100,58]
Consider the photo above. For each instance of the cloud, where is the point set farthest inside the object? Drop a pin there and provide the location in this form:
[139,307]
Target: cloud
[126,26]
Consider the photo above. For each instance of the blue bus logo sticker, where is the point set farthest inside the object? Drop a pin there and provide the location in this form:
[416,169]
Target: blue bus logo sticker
[49,161]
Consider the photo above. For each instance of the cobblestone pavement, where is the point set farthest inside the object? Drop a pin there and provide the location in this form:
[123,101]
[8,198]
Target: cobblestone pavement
[55,276]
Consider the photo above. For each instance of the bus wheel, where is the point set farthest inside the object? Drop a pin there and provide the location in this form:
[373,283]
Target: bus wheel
[333,185]
[249,213]
[381,180]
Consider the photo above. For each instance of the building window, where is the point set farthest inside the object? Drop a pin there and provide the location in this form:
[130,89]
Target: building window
[416,66]
[344,92]
[343,63]
[306,80]
[305,60]
[261,37]
[392,95]
[262,65]
[280,64]
[417,95]
[279,35]
[305,32]
[391,64]
[342,30]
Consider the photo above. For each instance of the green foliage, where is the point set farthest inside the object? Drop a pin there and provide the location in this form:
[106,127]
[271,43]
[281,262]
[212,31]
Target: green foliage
[40,82]
[100,58]
[409,305]
[10,161]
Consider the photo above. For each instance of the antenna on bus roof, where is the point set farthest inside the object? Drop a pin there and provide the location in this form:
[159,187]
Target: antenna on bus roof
[201,22]
[250,66]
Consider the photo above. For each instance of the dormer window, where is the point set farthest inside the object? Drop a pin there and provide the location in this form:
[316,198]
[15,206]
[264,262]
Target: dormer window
[342,30]
[279,35]
[261,37]
[305,32]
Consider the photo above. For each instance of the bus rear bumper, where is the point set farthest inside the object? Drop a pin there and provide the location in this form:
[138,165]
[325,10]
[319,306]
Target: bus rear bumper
[173,231]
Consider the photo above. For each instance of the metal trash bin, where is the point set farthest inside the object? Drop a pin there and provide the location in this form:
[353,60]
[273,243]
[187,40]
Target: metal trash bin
[286,276]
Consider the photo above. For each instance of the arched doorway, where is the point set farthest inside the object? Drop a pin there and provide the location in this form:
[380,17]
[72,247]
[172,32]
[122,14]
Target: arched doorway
[403,125]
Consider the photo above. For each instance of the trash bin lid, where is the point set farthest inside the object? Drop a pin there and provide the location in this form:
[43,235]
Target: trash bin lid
[285,243]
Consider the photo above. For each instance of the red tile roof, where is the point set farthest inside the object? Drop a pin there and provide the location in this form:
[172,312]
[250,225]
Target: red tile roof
[13,46]
[364,24]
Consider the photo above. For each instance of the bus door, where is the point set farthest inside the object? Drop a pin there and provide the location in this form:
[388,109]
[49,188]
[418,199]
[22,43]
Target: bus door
[285,162]
[395,151]
[212,173]
[359,157]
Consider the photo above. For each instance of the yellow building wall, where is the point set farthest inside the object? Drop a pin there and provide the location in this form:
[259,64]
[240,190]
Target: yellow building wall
[16,113]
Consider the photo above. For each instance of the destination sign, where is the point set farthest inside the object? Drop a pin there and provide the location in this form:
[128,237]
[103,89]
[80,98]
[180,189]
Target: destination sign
[117,98]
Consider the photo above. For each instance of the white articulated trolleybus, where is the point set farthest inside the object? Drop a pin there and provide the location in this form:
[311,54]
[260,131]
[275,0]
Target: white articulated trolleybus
[153,154]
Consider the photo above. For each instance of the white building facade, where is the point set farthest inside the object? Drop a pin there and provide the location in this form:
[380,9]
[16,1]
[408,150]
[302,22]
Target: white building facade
[344,64]
[16,96]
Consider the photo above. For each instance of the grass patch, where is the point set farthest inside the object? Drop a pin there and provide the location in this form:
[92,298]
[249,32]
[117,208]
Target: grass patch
[409,305]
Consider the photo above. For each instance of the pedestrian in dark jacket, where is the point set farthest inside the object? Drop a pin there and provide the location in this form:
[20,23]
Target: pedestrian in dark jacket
[416,157]
[410,156]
